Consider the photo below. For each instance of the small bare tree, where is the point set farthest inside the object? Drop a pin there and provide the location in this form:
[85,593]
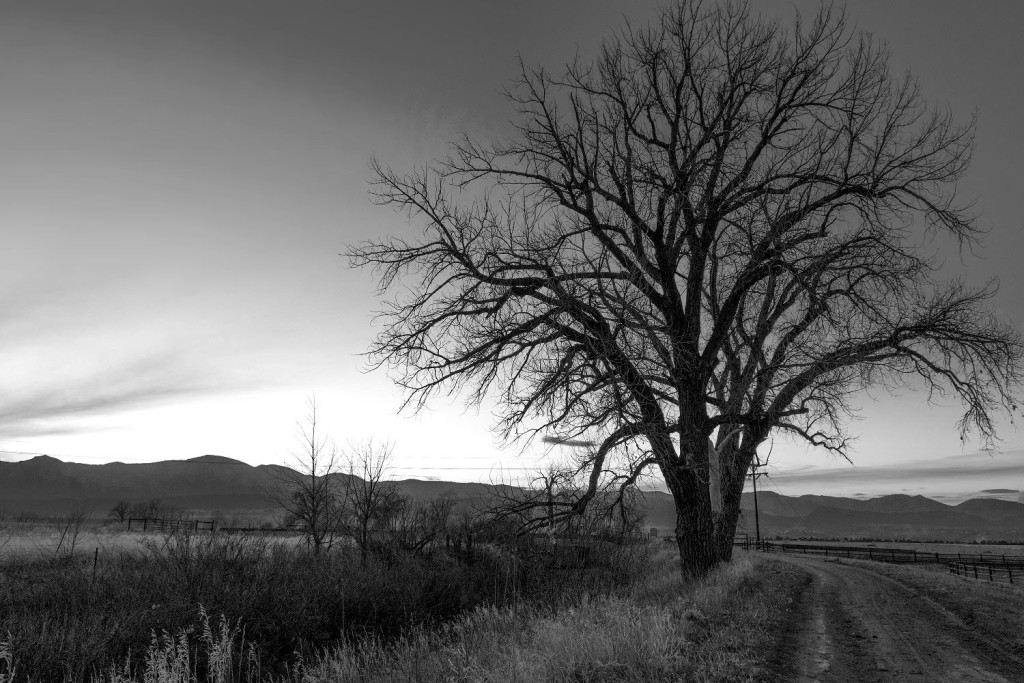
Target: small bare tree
[550,503]
[311,492]
[416,525]
[372,499]
[153,508]
[70,528]
[121,511]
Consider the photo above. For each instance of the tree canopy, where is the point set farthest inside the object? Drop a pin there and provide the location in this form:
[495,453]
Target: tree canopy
[714,230]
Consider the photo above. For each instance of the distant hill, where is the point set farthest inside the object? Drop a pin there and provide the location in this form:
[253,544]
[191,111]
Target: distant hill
[216,460]
[887,517]
[46,485]
[213,483]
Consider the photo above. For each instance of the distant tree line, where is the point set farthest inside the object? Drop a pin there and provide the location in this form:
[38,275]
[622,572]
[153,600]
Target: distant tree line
[331,495]
[153,508]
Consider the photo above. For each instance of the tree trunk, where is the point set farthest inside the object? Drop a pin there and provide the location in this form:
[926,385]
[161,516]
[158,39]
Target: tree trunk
[725,527]
[694,524]
[705,535]
[734,477]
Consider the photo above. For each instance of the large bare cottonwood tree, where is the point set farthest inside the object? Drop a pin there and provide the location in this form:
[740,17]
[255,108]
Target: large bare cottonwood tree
[713,231]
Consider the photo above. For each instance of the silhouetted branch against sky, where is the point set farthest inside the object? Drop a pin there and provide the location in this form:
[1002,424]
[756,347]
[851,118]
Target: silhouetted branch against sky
[709,232]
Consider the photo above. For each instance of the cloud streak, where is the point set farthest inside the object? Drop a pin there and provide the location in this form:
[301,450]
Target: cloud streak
[572,443]
[52,408]
[955,477]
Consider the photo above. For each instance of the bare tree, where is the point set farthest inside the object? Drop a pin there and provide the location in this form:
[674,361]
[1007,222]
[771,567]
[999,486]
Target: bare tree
[709,233]
[372,499]
[415,525]
[153,508]
[121,511]
[543,505]
[70,528]
[311,492]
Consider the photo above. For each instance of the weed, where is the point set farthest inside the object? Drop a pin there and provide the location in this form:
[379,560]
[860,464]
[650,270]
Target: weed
[73,618]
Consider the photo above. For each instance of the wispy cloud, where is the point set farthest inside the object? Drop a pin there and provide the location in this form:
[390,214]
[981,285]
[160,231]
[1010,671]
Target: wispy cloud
[572,443]
[60,407]
[955,477]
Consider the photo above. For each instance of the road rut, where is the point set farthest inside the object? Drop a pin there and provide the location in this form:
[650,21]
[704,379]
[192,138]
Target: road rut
[859,625]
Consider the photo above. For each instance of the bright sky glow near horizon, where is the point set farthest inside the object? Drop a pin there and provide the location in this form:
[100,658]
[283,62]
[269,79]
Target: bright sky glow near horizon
[180,178]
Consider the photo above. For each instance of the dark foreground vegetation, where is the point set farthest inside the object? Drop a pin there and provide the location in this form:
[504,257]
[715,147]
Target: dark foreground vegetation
[248,607]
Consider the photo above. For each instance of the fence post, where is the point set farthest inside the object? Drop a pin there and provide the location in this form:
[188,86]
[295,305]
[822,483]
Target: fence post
[975,571]
[1009,570]
[990,573]
[145,523]
[893,553]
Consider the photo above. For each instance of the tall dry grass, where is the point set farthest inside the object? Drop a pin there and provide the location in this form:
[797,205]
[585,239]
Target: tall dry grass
[133,612]
[193,608]
[724,628]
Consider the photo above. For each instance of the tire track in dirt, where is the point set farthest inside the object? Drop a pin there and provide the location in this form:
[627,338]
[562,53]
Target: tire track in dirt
[859,625]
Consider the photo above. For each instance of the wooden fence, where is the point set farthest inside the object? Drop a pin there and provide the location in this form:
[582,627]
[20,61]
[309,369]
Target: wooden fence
[988,572]
[981,566]
[891,555]
[156,524]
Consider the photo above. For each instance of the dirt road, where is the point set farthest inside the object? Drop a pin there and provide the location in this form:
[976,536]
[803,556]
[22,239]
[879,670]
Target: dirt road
[859,625]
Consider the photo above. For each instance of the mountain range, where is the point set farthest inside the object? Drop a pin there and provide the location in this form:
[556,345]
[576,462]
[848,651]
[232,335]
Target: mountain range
[895,517]
[214,484]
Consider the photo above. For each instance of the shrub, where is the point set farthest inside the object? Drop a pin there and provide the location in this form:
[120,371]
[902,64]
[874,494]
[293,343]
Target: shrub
[69,623]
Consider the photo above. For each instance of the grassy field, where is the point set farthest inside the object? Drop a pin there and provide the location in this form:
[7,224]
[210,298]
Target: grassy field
[39,539]
[246,608]
[974,549]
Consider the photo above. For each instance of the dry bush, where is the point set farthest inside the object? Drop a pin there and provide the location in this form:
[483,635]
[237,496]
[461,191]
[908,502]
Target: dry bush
[66,625]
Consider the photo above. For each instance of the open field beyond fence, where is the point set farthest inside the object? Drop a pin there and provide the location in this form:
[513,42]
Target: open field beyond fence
[985,565]
[889,554]
[158,524]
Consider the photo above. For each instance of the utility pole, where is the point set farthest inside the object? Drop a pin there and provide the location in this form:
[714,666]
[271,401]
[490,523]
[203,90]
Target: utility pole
[754,474]
[757,516]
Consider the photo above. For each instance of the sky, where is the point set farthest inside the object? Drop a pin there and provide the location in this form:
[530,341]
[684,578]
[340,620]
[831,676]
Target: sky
[180,180]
